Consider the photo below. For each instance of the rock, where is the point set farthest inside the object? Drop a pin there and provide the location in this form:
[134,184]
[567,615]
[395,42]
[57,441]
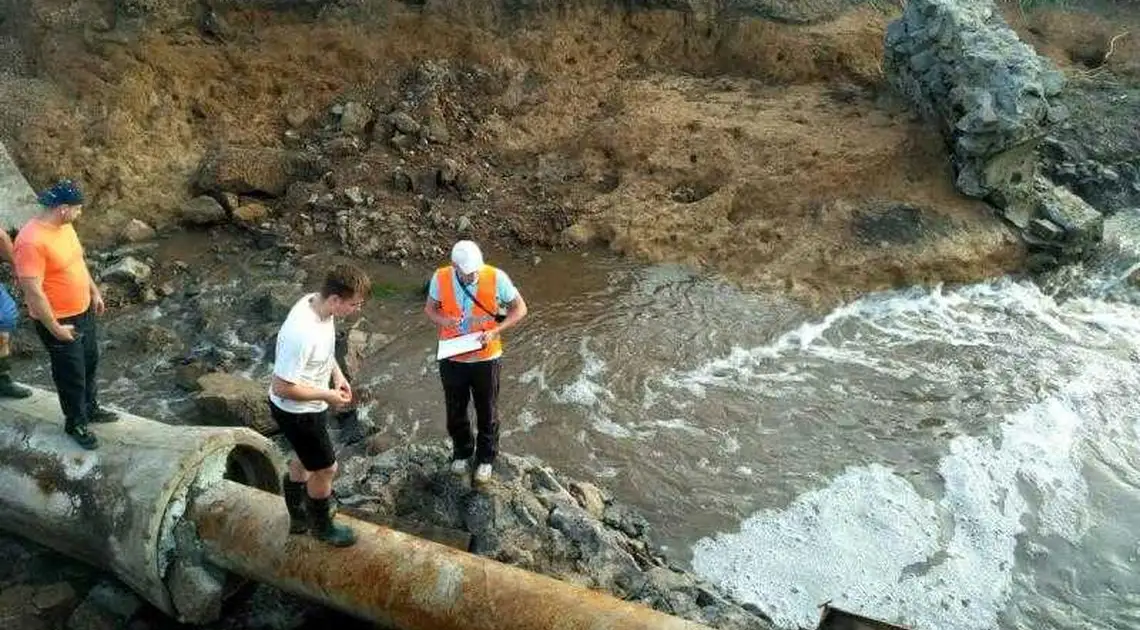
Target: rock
[360,345]
[108,606]
[245,170]
[589,497]
[274,303]
[128,269]
[404,123]
[626,520]
[437,131]
[1083,226]
[54,596]
[198,590]
[292,139]
[576,524]
[251,213]
[202,211]
[88,616]
[354,195]
[296,116]
[355,118]
[229,399]
[186,375]
[579,234]
[448,172]
[115,599]
[463,224]
[343,147]
[403,141]
[378,443]
[401,181]
[663,580]
[166,289]
[212,24]
[136,231]
[155,338]
[17,609]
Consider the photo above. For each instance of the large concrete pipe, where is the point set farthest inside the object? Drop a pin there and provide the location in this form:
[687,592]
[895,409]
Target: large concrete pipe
[171,510]
[117,507]
[399,580]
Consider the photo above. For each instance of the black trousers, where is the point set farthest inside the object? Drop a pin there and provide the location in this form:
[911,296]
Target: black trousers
[462,383]
[73,365]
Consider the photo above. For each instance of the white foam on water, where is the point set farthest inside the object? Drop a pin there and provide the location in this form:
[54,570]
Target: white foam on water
[587,390]
[870,543]
[527,420]
[856,542]
[972,316]
[590,392]
[678,424]
[605,426]
[534,375]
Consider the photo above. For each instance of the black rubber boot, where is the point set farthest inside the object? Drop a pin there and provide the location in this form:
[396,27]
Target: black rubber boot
[83,436]
[295,503]
[322,527]
[8,387]
[102,415]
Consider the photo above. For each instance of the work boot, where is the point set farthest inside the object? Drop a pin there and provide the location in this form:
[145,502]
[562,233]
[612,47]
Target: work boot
[295,502]
[483,474]
[83,436]
[102,415]
[459,467]
[8,387]
[322,527]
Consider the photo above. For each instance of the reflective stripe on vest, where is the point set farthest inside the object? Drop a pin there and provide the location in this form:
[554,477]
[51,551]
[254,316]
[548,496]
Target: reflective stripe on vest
[486,294]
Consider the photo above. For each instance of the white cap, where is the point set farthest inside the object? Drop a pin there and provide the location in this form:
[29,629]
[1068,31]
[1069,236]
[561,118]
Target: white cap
[466,256]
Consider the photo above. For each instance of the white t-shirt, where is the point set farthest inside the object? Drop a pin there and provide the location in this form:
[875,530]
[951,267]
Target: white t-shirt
[306,353]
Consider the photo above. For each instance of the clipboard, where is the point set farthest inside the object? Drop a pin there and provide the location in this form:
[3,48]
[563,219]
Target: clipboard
[459,345]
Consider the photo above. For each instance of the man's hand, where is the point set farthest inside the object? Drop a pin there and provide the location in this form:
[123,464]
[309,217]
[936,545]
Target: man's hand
[340,384]
[338,398]
[489,335]
[64,332]
[97,300]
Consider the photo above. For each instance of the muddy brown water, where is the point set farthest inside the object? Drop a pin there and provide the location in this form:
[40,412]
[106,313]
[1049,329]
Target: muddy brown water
[960,458]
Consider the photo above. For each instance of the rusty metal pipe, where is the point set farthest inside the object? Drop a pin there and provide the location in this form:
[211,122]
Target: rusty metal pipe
[399,580]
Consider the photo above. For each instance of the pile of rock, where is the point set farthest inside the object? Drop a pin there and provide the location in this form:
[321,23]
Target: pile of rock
[532,517]
[960,64]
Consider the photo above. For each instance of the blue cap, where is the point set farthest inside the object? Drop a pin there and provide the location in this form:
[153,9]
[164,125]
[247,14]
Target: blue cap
[63,193]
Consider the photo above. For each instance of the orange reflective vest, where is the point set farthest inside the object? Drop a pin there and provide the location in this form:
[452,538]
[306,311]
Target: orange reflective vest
[486,294]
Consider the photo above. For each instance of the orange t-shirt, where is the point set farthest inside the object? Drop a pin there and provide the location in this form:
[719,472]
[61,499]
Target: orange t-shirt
[54,254]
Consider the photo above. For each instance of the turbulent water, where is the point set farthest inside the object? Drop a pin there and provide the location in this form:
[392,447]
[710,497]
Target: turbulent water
[951,459]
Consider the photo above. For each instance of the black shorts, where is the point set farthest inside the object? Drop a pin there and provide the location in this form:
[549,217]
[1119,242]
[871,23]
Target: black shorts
[308,434]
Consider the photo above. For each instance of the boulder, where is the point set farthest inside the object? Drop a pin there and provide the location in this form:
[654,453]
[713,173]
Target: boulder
[136,231]
[245,170]
[128,269]
[230,399]
[203,210]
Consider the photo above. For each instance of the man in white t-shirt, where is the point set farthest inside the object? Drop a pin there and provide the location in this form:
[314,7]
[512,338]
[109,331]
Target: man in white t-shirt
[300,398]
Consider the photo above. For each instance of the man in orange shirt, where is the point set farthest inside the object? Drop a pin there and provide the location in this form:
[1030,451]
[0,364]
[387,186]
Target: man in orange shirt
[64,301]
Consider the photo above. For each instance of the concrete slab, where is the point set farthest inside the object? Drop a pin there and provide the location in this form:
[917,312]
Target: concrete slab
[17,199]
